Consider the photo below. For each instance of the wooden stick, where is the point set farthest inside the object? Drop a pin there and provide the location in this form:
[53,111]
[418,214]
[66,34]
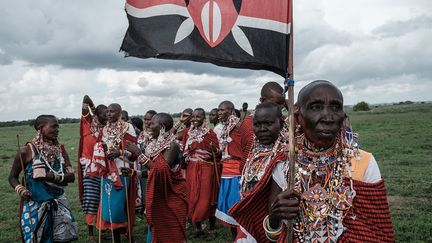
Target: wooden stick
[127,208]
[215,167]
[129,226]
[291,155]
[100,216]
[25,184]
[21,161]
[290,105]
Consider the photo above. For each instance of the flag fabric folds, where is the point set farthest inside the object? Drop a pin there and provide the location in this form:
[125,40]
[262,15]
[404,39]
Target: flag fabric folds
[251,34]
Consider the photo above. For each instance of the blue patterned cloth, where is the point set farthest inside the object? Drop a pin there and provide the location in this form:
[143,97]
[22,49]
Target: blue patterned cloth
[229,194]
[114,201]
[46,216]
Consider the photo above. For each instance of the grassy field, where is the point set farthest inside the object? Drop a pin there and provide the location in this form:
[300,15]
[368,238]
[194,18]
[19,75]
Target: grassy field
[399,136]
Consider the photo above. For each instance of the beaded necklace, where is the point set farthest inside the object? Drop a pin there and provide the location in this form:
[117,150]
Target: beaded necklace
[49,153]
[156,146]
[112,133]
[95,127]
[256,162]
[143,139]
[196,134]
[326,199]
[229,125]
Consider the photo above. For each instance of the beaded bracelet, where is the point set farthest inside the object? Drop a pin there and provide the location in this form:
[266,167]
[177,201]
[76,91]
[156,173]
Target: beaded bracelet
[272,234]
[20,189]
[86,115]
[143,159]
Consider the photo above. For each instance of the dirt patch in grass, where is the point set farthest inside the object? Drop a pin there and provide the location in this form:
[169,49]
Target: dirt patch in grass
[401,203]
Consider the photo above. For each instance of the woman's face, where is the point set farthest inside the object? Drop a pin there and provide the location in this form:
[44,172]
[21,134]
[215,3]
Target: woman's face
[155,127]
[213,116]
[321,116]
[102,116]
[266,126]
[50,130]
[198,118]
[224,111]
[147,120]
[113,113]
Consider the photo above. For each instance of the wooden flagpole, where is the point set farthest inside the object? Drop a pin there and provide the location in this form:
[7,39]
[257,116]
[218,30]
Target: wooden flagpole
[290,105]
[25,186]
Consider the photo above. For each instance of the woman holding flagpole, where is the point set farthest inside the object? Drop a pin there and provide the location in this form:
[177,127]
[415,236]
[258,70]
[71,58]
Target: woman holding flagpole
[338,193]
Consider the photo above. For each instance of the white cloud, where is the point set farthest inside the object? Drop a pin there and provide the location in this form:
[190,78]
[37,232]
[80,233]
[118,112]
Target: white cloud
[53,53]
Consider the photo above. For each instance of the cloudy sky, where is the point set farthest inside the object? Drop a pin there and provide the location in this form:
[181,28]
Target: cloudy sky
[54,52]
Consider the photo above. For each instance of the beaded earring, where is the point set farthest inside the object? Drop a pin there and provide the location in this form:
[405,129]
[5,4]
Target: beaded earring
[161,133]
[298,128]
[349,134]
[38,134]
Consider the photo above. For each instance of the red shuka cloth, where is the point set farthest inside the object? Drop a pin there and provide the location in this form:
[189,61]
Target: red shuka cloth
[372,215]
[109,168]
[234,147]
[85,148]
[247,136]
[372,221]
[233,166]
[251,210]
[166,202]
[202,178]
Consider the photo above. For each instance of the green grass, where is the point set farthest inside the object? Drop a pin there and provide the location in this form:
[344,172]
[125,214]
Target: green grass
[399,136]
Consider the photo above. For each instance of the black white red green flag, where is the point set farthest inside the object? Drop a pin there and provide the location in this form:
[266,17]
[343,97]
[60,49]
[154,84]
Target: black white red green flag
[251,34]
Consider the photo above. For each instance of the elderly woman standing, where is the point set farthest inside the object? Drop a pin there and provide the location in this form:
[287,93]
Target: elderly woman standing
[44,212]
[338,196]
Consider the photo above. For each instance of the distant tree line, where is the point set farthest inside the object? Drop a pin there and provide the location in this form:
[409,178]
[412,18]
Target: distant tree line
[31,122]
[361,106]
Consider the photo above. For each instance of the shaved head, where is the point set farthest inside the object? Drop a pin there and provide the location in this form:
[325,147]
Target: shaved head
[188,111]
[270,88]
[201,110]
[228,104]
[113,112]
[272,91]
[42,120]
[115,106]
[306,90]
[226,108]
[164,119]
[321,113]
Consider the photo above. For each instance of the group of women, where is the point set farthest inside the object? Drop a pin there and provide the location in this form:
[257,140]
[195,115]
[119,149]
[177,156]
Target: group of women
[338,194]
